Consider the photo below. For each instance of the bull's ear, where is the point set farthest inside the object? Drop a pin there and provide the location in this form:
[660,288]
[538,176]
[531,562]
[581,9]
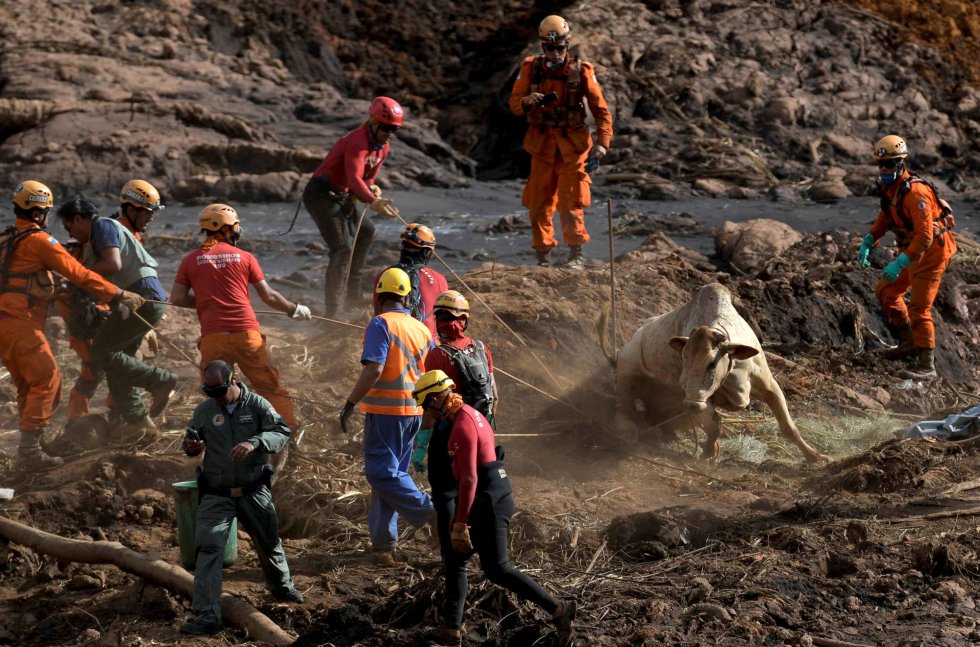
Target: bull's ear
[740,351]
[678,343]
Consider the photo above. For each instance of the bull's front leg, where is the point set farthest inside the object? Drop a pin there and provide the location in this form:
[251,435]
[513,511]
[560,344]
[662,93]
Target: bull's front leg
[772,395]
[711,422]
[624,421]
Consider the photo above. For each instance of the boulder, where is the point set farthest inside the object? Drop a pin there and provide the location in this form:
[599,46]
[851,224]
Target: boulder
[748,245]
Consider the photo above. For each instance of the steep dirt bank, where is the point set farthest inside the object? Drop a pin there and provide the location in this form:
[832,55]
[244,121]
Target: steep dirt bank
[238,101]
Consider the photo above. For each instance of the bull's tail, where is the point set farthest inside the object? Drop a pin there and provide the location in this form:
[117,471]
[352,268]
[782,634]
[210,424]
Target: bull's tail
[602,328]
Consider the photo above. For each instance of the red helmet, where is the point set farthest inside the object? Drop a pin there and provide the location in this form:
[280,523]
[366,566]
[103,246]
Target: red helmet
[386,111]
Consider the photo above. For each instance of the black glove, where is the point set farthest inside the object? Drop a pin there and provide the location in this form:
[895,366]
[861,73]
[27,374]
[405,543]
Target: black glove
[345,415]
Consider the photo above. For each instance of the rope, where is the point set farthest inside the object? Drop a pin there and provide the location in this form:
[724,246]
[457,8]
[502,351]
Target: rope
[492,312]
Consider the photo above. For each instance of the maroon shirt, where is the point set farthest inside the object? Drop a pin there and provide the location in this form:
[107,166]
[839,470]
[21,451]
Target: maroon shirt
[471,444]
[353,163]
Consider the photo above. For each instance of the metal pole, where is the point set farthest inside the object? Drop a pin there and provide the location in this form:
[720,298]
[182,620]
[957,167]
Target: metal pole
[612,279]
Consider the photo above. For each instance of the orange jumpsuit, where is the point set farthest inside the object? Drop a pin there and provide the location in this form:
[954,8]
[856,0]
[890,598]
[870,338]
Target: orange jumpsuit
[23,348]
[918,236]
[558,140]
[89,377]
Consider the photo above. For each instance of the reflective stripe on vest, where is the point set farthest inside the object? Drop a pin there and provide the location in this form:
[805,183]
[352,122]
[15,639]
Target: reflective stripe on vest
[392,394]
[137,264]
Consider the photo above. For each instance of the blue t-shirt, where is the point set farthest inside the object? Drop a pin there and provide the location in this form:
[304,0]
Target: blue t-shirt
[104,234]
[377,340]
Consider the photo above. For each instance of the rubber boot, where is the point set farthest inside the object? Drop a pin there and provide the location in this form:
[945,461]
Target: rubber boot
[563,618]
[906,346]
[544,259]
[924,366]
[443,636]
[30,456]
[576,259]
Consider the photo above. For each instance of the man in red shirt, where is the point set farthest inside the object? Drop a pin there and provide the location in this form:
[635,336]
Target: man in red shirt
[474,505]
[418,243]
[347,175]
[219,274]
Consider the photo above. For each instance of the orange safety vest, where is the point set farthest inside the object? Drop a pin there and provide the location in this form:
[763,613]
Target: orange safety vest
[405,363]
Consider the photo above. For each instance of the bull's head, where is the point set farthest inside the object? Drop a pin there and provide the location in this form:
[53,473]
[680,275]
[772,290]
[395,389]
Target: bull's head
[707,359]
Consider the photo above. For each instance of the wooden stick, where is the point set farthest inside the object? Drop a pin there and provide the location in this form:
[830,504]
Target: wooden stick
[830,642]
[238,612]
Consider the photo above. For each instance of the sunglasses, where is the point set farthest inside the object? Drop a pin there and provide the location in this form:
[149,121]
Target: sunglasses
[445,315]
[889,164]
[554,48]
[216,390]
[388,128]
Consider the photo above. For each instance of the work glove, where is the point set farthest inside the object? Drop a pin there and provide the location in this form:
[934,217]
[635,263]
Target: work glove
[893,269]
[866,244]
[421,446]
[461,538]
[301,312]
[531,101]
[592,161]
[384,207]
[375,190]
[153,342]
[130,300]
[345,415]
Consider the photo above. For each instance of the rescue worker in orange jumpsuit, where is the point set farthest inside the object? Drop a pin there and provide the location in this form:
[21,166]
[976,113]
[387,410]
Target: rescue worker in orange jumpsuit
[28,255]
[219,274]
[922,223]
[346,175]
[139,202]
[393,359]
[552,89]
[418,244]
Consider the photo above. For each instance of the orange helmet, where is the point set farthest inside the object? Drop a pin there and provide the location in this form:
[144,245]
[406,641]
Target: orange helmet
[141,194]
[419,236]
[33,195]
[891,147]
[452,302]
[387,111]
[554,29]
[216,216]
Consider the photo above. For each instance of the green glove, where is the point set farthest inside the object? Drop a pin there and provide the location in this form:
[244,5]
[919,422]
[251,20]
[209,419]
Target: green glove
[866,244]
[421,446]
[893,269]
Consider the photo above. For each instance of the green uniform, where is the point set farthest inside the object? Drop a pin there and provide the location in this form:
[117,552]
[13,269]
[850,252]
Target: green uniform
[115,343]
[251,419]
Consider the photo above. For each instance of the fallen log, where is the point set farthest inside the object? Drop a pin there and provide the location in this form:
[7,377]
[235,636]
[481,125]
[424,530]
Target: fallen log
[235,610]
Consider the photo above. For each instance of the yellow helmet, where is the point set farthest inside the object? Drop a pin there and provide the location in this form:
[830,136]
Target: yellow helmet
[452,302]
[394,280]
[141,194]
[33,195]
[419,236]
[431,382]
[215,216]
[891,147]
[554,29]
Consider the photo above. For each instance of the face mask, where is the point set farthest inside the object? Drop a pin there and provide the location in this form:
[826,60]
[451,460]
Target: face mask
[556,65]
[889,179]
[451,329]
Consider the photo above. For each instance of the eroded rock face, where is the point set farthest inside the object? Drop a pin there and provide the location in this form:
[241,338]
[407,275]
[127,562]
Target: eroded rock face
[239,100]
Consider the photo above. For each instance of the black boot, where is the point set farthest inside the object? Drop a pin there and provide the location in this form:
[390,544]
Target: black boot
[906,346]
[924,366]
[563,618]
[30,456]
[544,259]
[576,259]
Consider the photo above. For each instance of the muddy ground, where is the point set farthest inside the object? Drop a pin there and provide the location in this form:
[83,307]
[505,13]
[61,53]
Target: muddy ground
[760,549]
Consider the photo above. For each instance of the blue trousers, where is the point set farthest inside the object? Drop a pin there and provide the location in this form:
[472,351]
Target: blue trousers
[388,444]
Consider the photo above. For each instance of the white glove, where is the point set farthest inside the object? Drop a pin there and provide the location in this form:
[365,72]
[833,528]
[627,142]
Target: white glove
[600,151]
[301,312]
[153,342]
[376,190]
[384,208]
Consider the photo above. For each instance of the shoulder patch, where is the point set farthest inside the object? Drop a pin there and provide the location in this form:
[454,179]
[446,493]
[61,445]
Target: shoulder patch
[922,205]
[218,419]
[52,240]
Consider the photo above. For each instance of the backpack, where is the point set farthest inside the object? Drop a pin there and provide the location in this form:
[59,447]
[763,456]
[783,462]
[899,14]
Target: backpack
[86,316]
[37,286]
[414,299]
[475,383]
[943,223]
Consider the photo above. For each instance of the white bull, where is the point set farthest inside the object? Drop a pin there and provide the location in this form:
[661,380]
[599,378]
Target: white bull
[694,359]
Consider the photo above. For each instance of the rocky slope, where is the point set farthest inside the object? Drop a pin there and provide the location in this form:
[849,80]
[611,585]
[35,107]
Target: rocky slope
[238,100]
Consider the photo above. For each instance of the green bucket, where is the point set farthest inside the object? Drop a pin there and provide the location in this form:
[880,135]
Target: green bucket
[185,496]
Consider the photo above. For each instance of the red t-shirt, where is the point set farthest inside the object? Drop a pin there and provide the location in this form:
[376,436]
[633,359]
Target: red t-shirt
[220,277]
[441,360]
[353,163]
[471,443]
